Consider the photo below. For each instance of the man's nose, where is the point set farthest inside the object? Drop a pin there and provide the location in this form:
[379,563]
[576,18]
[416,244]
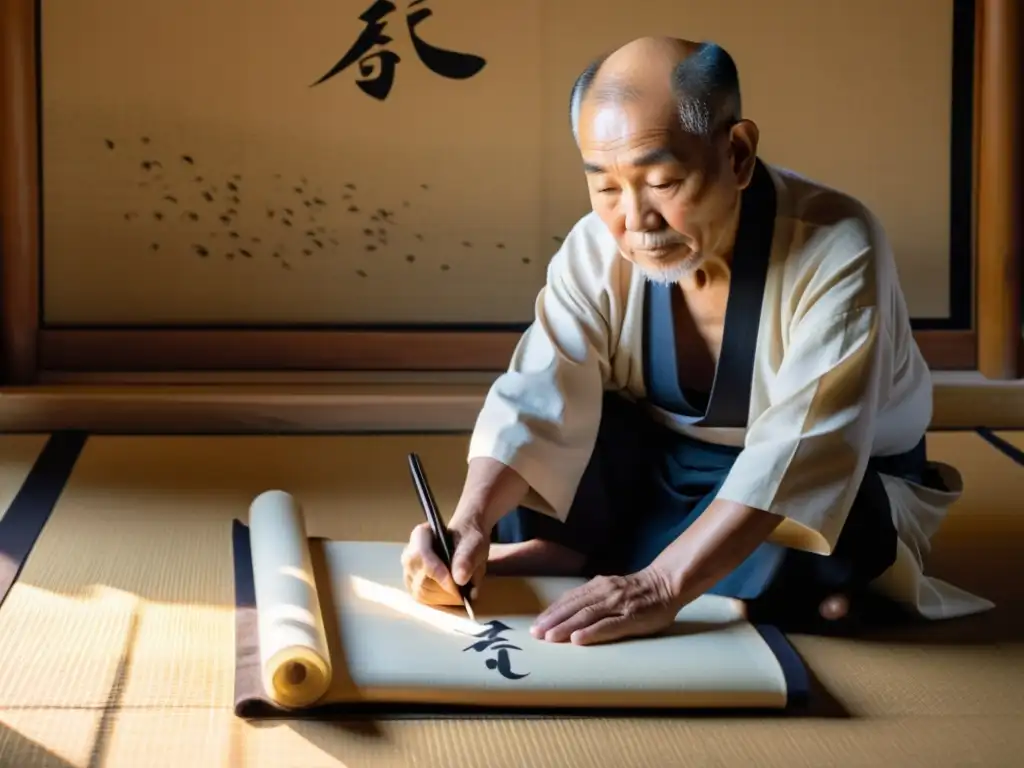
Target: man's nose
[637,214]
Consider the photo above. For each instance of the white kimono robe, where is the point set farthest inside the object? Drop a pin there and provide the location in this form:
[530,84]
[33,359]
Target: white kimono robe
[837,378]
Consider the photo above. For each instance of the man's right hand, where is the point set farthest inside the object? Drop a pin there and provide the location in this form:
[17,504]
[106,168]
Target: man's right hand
[426,576]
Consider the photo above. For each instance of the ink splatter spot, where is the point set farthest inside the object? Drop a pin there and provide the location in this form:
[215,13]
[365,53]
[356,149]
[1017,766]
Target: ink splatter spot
[109,143]
[233,235]
[419,237]
[229,255]
[306,252]
[297,190]
[235,199]
[310,233]
[445,267]
[410,258]
[208,197]
[289,211]
[225,219]
[245,253]
[198,179]
[466,244]
[501,246]
[424,186]
[353,209]
[192,215]
[382,231]
[256,240]
[526,259]
[368,232]
[201,250]
[155,246]
[317,243]
[236,176]
[286,265]
[319,201]
[130,215]
[158,216]
[270,213]
[361,272]
[351,186]
[145,139]
[286,222]
[188,159]
[277,175]
[371,247]
[232,186]
[170,198]
[307,203]
[231,211]
[557,239]
[374,217]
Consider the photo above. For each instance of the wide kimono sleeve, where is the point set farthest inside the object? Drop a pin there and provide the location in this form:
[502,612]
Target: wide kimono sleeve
[541,416]
[805,455]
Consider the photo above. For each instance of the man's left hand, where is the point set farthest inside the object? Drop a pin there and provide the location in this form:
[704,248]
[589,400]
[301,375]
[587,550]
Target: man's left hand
[609,608]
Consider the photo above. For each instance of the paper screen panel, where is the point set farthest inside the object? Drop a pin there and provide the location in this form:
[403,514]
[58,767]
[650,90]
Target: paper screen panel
[478,178]
[454,164]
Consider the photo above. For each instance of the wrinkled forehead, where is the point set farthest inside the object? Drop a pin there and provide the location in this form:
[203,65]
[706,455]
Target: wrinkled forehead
[621,131]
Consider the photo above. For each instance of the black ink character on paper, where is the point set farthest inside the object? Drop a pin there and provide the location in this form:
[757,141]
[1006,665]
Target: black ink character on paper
[378,63]
[491,640]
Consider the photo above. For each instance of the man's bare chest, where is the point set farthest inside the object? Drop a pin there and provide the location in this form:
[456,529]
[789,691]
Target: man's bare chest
[699,321]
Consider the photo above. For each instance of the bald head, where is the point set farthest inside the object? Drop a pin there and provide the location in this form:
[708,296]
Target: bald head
[695,83]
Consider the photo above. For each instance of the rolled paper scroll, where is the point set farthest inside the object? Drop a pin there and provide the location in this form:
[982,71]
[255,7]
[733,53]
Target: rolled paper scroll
[294,660]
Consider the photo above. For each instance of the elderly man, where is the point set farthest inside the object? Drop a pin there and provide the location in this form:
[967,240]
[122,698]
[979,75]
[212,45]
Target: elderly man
[720,392]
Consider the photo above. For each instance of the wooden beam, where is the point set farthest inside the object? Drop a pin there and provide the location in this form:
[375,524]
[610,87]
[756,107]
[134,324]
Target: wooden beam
[961,400]
[274,350]
[171,352]
[19,190]
[999,189]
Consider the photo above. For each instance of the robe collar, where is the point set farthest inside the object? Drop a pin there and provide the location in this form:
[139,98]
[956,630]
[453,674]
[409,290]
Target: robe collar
[729,401]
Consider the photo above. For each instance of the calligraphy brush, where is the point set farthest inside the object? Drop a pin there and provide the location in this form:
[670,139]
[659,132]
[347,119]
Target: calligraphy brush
[443,543]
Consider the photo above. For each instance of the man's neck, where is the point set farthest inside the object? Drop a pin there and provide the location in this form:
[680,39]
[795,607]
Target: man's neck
[716,267]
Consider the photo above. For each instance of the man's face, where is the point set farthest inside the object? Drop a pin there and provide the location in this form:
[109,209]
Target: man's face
[669,198]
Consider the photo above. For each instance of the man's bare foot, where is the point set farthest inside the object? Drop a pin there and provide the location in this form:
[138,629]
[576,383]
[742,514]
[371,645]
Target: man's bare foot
[834,607]
[535,557]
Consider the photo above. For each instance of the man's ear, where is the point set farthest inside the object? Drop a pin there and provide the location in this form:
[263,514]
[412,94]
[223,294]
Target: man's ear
[743,138]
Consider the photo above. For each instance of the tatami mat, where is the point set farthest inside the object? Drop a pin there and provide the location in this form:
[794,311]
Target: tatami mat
[116,644]
[17,455]
[1016,439]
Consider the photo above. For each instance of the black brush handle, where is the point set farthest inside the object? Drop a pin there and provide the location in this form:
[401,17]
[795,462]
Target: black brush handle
[444,545]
